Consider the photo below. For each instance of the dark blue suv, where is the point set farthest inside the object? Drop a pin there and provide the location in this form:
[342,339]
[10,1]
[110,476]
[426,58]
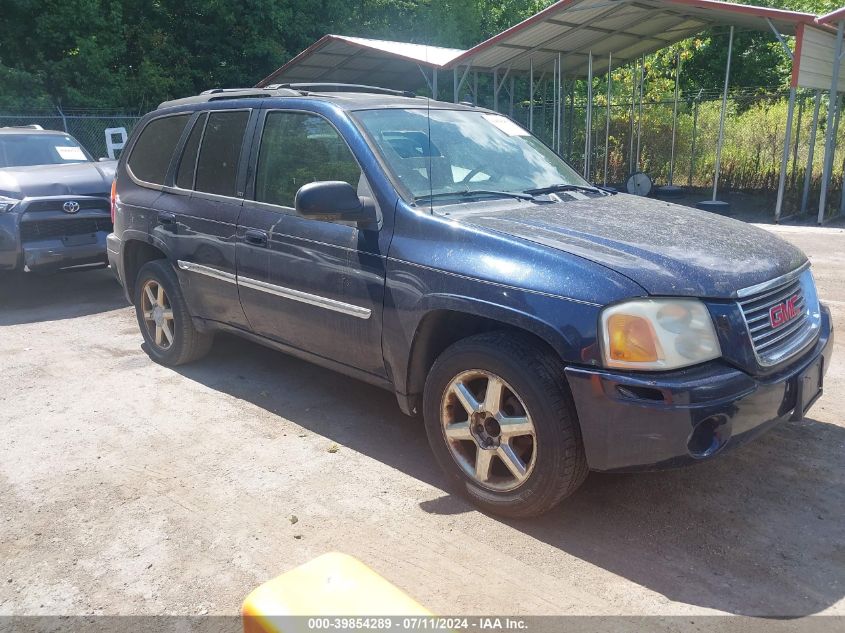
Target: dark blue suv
[541,325]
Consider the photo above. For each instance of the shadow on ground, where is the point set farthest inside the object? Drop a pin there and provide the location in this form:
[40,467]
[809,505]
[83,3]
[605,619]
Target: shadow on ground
[760,531]
[32,298]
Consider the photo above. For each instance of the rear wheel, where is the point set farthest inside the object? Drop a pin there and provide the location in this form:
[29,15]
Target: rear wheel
[169,333]
[501,423]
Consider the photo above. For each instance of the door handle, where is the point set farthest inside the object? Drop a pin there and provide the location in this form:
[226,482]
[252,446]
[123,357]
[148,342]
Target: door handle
[168,221]
[256,238]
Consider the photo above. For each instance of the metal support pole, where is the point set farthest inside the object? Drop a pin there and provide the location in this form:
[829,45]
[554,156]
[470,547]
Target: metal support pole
[496,89]
[531,95]
[565,119]
[631,169]
[797,142]
[694,137]
[830,138]
[722,117]
[607,117]
[511,95]
[558,100]
[64,120]
[808,172]
[455,88]
[570,137]
[675,116]
[588,119]
[640,112]
[554,107]
[434,84]
[475,95]
[784,160]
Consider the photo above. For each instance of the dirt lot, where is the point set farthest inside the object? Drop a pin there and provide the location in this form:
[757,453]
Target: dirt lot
[129,488]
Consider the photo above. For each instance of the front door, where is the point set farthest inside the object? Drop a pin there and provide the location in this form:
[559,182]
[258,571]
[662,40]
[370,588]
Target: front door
[314,285]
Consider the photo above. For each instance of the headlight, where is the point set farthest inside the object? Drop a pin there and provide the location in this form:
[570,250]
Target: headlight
[6,204]
[658,334]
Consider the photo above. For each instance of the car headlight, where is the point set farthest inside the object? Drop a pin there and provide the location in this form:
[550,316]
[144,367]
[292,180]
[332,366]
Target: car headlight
[658,334]
[6,204]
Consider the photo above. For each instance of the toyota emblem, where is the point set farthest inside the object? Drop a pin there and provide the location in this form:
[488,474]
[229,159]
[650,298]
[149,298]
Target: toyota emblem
[71,206]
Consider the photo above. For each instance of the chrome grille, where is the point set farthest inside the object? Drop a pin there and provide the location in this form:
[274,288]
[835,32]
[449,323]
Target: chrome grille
[775,343]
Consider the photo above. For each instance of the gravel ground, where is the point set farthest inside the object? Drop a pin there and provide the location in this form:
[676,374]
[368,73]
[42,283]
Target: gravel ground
[130,488]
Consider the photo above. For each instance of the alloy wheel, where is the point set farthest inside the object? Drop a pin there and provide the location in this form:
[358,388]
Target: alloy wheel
[488,430]
[157,313]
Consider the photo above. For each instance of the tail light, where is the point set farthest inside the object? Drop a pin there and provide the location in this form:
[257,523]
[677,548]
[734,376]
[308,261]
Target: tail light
[113,199]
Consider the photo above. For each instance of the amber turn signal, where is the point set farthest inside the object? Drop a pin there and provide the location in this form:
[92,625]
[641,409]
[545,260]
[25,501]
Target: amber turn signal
[632,339]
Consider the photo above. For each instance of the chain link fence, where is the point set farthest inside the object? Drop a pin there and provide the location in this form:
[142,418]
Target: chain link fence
[89,128]
[640,139]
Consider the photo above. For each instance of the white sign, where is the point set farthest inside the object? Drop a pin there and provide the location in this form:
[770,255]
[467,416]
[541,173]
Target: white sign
[111,143]
[506,125]
[70,153]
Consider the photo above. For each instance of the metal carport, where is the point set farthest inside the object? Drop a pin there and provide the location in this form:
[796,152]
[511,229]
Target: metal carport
[580,38]
[339,58]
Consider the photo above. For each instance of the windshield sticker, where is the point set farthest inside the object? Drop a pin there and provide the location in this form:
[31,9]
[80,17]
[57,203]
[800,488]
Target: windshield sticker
[70,153]
[506,125]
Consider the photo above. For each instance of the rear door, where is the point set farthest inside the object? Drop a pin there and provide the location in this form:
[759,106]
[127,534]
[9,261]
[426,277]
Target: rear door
[201,211]
[313,285]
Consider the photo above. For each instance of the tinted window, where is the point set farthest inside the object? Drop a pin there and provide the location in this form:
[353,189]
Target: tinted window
[152,153]
[188,162]
[217,168]
[298,148]
[22,150]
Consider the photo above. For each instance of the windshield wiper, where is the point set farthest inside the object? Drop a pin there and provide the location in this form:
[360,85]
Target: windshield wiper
[471,193]
[564,187]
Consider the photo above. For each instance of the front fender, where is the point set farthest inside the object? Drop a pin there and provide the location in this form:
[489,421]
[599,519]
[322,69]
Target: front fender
[568,326]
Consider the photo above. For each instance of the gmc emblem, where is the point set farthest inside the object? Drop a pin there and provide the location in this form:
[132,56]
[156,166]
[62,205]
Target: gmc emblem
[784,312]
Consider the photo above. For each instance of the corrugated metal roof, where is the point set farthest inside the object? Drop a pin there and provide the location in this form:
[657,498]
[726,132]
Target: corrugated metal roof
[625,28]
[340,58]
[569,28]
[832,17]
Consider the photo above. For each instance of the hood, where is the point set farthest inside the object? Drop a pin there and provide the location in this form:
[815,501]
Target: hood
[91,179]
[666,248]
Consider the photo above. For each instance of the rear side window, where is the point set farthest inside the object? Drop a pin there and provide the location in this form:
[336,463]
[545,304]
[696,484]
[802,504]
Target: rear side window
[188,162]
[217,167]
[152,153]
[298,148]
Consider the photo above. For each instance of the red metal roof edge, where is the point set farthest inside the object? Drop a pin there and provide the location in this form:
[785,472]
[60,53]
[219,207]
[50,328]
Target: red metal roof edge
[797,17]
[833,16]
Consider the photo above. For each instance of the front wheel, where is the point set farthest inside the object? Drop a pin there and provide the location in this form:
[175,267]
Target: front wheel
[500,420]
[169,333]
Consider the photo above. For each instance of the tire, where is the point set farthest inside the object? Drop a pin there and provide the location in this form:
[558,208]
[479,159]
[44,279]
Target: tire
[534,394]
[184,343]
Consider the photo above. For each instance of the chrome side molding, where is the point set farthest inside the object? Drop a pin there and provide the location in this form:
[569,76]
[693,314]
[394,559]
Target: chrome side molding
[304,297]
[208,271]
[280,291]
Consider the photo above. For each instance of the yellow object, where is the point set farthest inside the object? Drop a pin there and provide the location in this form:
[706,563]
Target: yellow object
[333,584]
[632,339]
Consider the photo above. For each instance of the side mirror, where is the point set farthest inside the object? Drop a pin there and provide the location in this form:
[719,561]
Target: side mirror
[334,200]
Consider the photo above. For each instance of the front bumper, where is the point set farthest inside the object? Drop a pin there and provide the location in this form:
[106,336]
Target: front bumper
[59,245]
[57,254]
[635,421]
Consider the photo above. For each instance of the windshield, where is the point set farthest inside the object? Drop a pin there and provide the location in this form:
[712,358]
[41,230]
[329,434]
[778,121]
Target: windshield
[437,152]
[23,150]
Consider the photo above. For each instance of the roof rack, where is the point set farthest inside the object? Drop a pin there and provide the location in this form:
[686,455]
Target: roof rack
[341,87]
[221,94]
